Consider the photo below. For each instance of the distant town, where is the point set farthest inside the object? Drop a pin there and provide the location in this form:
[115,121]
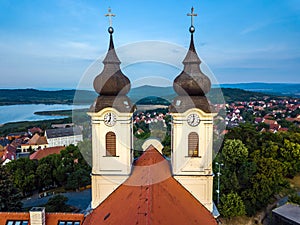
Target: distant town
[62,148]
[268,114]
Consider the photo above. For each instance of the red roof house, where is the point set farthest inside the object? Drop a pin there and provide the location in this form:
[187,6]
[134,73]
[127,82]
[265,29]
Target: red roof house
[45,152]
[9,154]
[150,196]
[50,218]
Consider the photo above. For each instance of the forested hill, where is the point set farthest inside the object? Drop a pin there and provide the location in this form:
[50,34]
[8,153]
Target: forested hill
[33,96]
[234,94]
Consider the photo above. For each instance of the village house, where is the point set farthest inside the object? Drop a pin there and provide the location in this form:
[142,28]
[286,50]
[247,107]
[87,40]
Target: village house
[42,153]
[35,143]
[35,130]
[63,136]
[9,153]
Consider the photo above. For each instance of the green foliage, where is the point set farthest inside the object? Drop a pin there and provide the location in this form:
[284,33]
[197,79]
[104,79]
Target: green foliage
[294,198]
[21,126]
[44,174]
[234,94]
[256,166]
[290,156]
[167,145]
[152,100]
[65,169]
[85,148]
[33,96]
[23,174]
[231,205]
[77,179]
[58,204]
[10,197]
[234,152]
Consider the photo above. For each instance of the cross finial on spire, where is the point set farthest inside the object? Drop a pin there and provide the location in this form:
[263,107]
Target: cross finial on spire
[110,15]
[192,14]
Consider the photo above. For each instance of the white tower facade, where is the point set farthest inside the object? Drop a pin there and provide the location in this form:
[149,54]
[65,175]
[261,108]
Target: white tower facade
[112,152]
[192,153]
[192,128]
[111,119]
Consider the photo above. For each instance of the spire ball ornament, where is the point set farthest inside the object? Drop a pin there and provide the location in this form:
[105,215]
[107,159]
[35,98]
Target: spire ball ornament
[192,29]
[111,30]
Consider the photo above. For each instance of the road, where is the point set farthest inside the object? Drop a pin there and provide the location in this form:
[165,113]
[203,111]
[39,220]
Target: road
[80,200]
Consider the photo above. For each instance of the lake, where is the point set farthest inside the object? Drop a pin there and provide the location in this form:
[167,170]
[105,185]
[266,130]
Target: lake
[16,113]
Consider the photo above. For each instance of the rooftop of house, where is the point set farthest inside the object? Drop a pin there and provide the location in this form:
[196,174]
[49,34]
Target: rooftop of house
[51,218]
[63,132]
[46,152]
[289,211]
[150,196]
[38,140]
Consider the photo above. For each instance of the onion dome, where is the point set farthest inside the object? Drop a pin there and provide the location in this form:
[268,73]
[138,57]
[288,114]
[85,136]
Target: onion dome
[111,81]
[191,81]
[111,84]
[191,84]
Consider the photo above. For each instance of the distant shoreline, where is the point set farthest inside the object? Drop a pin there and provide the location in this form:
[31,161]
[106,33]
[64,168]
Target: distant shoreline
[138,94]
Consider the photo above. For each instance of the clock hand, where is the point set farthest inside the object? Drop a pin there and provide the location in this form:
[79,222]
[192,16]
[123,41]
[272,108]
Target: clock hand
[193,119]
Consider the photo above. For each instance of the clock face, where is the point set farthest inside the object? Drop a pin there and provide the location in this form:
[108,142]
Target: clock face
[193,120]
[110,119]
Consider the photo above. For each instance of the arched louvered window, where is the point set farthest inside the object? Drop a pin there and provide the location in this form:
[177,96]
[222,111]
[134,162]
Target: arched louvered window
[193,144]
[110,144]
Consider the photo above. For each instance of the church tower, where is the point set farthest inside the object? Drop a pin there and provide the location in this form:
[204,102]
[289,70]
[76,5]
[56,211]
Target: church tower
[111,118]
[192,129]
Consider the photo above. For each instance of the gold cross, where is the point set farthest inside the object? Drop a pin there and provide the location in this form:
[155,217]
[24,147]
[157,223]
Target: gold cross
[192,14]
[110,15]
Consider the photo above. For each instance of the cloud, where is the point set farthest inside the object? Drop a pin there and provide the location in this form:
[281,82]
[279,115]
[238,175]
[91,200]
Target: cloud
[255,27]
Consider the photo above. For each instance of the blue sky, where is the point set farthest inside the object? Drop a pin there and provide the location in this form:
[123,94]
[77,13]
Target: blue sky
[50,44]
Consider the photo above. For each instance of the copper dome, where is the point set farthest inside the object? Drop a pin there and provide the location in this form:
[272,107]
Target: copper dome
[111,81]
[191,81]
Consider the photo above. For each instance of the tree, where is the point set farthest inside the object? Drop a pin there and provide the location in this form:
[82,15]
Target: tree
[265,183]
[10,197]
[234,152]
[44,173]
[247,133]
[290,155]
[232,205]
[85,148]
[79,178]
[294,198]
[23,174]
[57,204]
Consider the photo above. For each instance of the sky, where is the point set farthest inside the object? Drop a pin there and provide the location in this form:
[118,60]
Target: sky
[52,44]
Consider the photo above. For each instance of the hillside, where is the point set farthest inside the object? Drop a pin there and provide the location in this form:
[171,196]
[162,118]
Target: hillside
[282,89]
[33,96]
[142,95]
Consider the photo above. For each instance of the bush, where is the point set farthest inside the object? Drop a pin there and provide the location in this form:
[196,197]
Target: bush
[232,205]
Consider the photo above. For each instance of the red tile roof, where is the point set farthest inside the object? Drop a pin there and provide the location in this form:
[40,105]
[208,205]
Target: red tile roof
[267,121]
[9,152]
[5,216]
[150,196]
[51,218]
[45,152]
[38,140]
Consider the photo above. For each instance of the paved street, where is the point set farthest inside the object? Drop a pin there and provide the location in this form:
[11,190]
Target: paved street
[80,200]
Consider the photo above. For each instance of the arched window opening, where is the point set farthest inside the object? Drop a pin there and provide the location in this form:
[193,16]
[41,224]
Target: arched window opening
[193,145]
[110,144]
